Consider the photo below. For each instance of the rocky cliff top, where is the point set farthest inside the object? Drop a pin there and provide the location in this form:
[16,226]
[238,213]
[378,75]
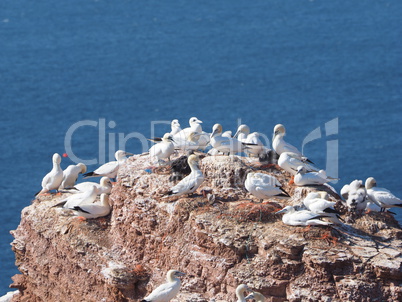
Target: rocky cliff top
[219,237]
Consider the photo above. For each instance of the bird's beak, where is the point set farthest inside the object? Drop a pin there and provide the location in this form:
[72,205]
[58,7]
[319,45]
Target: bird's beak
[198,121]
[213,133]
[180,274]
[128,154]
[280,211]
[236,134]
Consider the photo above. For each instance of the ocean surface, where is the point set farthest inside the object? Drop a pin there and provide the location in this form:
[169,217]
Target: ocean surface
[89,77]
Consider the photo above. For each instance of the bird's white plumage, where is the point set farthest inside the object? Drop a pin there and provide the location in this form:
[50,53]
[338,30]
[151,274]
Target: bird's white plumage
[224,144]
[262,185]
[240,290]
[93,210]
[86,197]
[305,178]
[290,162]
[104,186]
[111,168]
[164,149]
[355,195]
[70,175]
[256,296]
[175,126]
[302,217]
[54,178]
[166,291]
[252,140]
[280,145]
[381,196]
[192,181]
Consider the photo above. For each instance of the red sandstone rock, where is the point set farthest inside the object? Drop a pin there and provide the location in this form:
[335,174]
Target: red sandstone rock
[220,239]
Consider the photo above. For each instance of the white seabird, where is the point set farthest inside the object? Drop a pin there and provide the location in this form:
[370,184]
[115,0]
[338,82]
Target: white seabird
[240,290]
[70,175]
[279,144]
[320,205]
[263,186]
[86,197]
[355,195]
[242,133]
[104,186]
[167,291]
[175,126]
[290,161]
[164,149]
[53,179]
[93,210]
[256,296]
[302,218]
[224,144]
[254,145]
[305,178]
[189,143]
[382,197]
[111,168]
[191,182]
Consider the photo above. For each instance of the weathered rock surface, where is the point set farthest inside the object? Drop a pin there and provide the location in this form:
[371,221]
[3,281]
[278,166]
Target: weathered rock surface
[219,237]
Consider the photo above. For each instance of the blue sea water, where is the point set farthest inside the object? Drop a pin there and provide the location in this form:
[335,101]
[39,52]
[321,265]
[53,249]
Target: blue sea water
[131,65]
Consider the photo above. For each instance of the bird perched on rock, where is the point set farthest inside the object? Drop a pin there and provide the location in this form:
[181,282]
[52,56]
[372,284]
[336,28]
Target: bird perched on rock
[302,217]
[86,197]
[318,204]
[191,182]
[355,195]
[53,179]
[175,126]
[164,149]
[111,168]
[93,210]
[167,291]
[382,197]
[280,146]
[240,292]
[305,178]
[70,175]
[254,145]
[222,144]
[104,186]
[290,161]
[263,186]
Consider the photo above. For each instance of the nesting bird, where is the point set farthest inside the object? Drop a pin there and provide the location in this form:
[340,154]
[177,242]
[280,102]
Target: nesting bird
[290,161]
[191,182]
[111,168]
[305,178]
[164,149]
[382,197]
[355,195]
[264,186]
[70,175]
[86,197]
[54,178]
[93,210]
[104,186]
[167,291]
[302,217]
[240,290]
[222,144]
